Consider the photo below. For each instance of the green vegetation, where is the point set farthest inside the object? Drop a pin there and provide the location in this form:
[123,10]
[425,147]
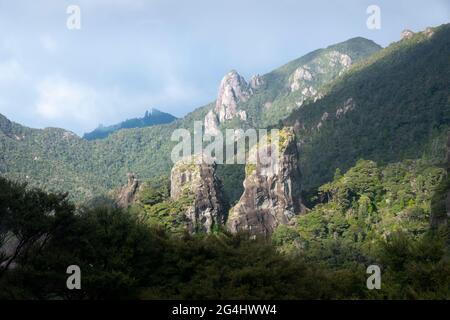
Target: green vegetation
[57,160]
[166,213]
[369,203]
[399,109]
[154,191]
[377,215]
[392,109]
[274,101]
[122,256]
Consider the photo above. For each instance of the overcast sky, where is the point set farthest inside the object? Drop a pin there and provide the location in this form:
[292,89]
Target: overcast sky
[131,55]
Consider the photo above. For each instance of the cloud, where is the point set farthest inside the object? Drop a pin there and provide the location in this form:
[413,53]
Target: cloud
[60,99]
[69,104]
[11,73]
[114,3]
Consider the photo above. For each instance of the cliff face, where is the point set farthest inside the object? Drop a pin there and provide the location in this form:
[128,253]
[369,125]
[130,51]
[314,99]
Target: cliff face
[272,191]
[197,184]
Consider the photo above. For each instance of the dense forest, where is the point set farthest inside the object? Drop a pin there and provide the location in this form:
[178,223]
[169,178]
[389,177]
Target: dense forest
[130,254]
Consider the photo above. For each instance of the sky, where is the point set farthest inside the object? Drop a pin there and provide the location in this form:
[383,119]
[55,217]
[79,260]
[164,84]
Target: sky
[129,56]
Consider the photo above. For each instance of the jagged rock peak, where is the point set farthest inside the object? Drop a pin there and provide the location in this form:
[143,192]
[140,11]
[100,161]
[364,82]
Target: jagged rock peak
[308,78]
[194,181]
[233,89]
[300,75]
[271,189]
[127,194]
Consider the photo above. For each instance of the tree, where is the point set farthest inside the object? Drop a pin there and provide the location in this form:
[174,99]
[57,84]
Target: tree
[28,218]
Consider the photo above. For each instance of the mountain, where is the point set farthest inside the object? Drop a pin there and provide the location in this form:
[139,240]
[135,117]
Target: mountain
[57,160]
[268,98]
[272,194]
[393,106]
[384,124]
[151,118]
[361,185]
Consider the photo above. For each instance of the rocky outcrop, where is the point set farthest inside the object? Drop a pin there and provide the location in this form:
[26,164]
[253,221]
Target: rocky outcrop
[308,78]
[195,184]
[300,75]
[348,105]
[256,82]
[271,189]
[337,58]
[233,89]
[127,195]
[406,34]
[341,111]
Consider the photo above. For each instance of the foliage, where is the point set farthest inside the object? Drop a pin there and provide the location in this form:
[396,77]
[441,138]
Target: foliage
[378,215]
[154,191]
[388,109]
[55,160]
[121,256]
[274,101]
[27,218]
[368,203]
[399,109]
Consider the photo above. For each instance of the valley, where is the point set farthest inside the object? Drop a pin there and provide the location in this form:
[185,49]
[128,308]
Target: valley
[359,176]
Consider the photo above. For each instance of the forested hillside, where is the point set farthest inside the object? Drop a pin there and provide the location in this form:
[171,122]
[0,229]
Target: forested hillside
[391,107]
[55,159]
[123,256]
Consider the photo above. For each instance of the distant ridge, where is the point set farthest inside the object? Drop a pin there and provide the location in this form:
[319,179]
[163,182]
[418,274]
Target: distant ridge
[151,118]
